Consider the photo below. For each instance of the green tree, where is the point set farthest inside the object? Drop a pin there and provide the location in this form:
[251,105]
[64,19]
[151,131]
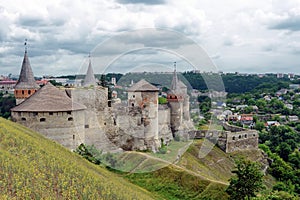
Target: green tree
[90,153]
[298,127]
[248,110]
[103,81]
[283,150]
[247,181]
[162,100]
[261,103]
[259,126]
[53,82]
[294,159]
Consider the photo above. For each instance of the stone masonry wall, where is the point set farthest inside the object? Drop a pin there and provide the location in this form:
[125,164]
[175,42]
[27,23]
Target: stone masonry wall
[233,141]
[164,126]
[66,128]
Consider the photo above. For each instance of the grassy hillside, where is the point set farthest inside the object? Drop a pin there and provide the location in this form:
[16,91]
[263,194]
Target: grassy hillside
[191,177]
[176,183]
[32,167]
[170,181]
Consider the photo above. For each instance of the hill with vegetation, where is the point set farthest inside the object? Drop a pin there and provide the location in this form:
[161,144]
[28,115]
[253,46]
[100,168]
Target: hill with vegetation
[189,177]
[32,167]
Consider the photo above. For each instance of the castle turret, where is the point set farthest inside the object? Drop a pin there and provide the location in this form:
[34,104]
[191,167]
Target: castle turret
[26,85]
[89,77]
[51,112]
[186,101]
[144,97]
[175,101]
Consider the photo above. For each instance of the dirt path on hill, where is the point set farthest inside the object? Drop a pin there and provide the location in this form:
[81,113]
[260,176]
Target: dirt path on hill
[174,165]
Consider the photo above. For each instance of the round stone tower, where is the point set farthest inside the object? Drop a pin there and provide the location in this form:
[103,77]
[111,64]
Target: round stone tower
[186,101]
[51,112]
[176,101]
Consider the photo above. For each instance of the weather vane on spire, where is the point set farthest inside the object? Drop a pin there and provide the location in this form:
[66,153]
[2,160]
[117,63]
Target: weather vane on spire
[25,44]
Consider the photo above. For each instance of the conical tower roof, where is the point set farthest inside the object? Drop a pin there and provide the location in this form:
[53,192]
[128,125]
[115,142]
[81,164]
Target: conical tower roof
[174,84]
[89,77]
[48,99]
[26,79]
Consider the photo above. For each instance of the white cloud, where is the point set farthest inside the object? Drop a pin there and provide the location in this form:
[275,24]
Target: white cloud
[240,35]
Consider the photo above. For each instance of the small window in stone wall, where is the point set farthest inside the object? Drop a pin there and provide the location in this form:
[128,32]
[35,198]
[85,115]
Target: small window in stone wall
[233,138]
[23,92]
[73,137]
[23,119]
[253,135]
[42,119]
[69,112]
[240,136]
[132,104]
[70,119]
[35,114]
[86,126]
[50,113]
[246,136]
[133,96]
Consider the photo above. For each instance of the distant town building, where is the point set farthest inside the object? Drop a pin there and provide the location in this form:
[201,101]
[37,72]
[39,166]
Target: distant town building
[281,92]
[294,86]
[113,80]
[291,76]
[280,75]
[293,118]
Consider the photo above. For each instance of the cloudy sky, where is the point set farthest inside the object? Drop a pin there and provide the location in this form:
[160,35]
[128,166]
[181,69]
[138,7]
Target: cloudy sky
[238,35]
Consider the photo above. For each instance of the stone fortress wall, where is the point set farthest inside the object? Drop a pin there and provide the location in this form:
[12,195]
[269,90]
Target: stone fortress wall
[237,138]
[232,139]
[66,128]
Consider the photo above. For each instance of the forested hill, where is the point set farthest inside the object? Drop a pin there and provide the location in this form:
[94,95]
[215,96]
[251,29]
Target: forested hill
[234,83]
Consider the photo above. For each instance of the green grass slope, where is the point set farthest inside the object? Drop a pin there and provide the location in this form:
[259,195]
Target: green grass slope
[176,183]
[32,167]
[217,165]
[191,178]
[169,181]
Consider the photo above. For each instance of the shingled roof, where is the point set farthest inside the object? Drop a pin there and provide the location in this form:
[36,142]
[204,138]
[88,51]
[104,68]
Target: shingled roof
[142,85]
[48,99]
[26,79]
[89,77]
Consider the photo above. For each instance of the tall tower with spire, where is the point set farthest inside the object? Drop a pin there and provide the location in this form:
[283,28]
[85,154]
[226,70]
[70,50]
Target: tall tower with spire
[26,85]
[175,101]
[89,77]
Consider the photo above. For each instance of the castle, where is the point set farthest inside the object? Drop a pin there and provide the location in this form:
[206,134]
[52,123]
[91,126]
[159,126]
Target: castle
[71,116]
